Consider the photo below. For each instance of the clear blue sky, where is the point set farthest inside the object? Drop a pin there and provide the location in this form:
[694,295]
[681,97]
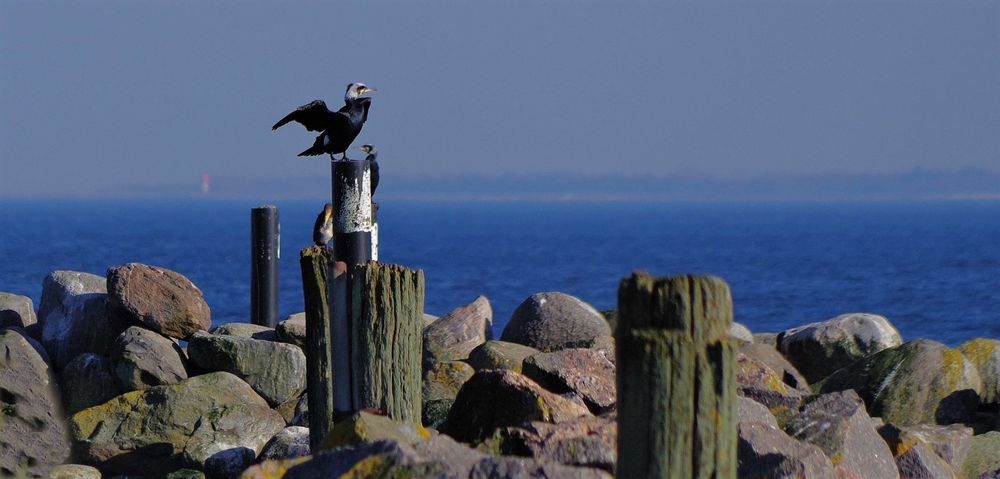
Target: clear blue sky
[101,98]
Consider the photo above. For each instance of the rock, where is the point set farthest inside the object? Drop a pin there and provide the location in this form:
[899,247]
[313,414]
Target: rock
[301,417]
[74,471]
[158,298]
[277,371]
[839,425]
[444,379]
[87,381]
[458,333]
[73,315]
[950,443]
[293,330]
[770,339]
[211,422]
[500,355]
[500,398]
[771,358]
[550,321]
[186,474]
[16,310]
[757,381]
[229,439]
[428,319]
[272,468]
[246,330]
[288,408]
[919,382]
[435,412]
[919,462]
[586,372]
[985,355]
[819,349]
[749,410]
[585,442]
[510,467]
[764,450]
[32,436]
[291,442]
[740,332]
[983,461]
[143,359]
[367,427]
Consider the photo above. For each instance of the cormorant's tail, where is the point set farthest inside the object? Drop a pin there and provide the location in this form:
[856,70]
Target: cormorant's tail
[316,149]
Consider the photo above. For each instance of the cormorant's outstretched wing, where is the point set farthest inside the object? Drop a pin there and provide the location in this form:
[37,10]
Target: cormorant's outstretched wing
[315,116]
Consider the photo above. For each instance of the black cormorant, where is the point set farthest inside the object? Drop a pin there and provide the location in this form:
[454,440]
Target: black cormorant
[373,165]
[338,129]
[323,228]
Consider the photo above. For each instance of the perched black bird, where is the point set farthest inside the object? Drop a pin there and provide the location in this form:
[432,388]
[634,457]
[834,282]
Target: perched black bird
[373,165]
[323,228]
[338,129]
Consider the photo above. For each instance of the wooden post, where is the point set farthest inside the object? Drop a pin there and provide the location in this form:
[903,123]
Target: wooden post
[676,378]
[264,255]
[388,339]
[314,261]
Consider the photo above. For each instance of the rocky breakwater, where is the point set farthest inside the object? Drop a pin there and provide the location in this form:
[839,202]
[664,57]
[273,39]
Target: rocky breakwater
[103,384]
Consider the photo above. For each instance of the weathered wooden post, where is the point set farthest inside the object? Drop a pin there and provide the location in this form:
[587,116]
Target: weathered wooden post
[264,254]
[314,262]
[676,378]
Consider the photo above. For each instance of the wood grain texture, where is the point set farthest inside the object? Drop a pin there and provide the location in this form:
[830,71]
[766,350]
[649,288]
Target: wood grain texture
[314,261]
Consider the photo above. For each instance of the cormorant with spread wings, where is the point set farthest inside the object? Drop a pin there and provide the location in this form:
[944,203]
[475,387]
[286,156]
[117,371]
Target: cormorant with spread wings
[338,129]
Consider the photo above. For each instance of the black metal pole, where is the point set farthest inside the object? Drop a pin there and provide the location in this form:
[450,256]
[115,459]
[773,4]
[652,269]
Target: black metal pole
[265,238]
[352,220]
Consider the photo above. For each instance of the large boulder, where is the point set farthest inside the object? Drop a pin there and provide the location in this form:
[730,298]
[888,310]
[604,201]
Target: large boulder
[246,330]
[440,387]
[73,315]
[748,410]
[764,450]
[950,443]
[158,298]
[757,381]
[143,359]
[983,460]
[277,371]
[291,442]
[919,382]
[500,355]
[87,381]
[455,335]
[552,320]
[766,354]
[985,355]
[32,436]
[366,427]
[210,422]
[586,372]
[74,471]
[501,398]
[16,310]
[293,330]
[819,349]
[585,442]
[838,424]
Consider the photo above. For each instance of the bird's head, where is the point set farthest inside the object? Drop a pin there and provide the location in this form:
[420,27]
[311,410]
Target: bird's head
[355,90]
[367,149]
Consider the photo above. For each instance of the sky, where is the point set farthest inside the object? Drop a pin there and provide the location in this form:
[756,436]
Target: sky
[142,98]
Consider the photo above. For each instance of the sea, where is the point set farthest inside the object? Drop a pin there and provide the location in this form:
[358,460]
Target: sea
[932,268]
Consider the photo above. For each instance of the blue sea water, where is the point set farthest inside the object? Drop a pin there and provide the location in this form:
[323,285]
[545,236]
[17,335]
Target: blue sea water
[932,268]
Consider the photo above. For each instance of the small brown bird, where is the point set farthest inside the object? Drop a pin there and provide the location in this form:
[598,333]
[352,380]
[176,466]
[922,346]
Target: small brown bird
[323,228]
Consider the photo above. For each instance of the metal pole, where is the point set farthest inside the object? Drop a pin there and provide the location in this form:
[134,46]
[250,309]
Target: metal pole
[265,240]
[353,223]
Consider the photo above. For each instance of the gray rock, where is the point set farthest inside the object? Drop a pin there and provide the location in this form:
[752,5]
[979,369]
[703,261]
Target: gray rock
[584,442]
[740,332]
[919,382]
[429,318]
[951,443]
[277,371]
[510,467]
[552,320]
[983,461]
[364,427]
[292,441]
[770,357]
[985,355]
[73,316]
[757,381]
[500,355]
[16,310]
[764,450]
[838,424]
[74,471]
[749,410]
[444,379]
[586,372]
[919,462]
[435,412]
[186,474]
[770,339]
[208,422]
[500,398]
[228,441]
[301,417]
[455,335]
[293,330]
[819,349]
[143,359]
[32,437]
[246,330]
[87,381]
[158,298]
